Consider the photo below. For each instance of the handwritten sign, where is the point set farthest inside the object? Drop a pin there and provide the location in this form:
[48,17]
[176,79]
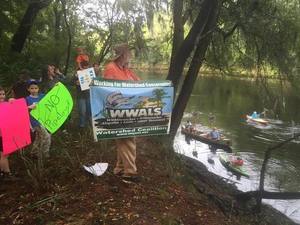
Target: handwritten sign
[54,108]
[14,125]
[85,78]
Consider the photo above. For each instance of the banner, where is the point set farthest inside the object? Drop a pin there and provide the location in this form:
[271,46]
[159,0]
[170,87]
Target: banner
[124,108]
[54,108]
[14,125]
[85,78]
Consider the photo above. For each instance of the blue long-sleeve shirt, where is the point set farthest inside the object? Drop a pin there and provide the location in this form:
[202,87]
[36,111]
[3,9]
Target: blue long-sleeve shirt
[30,100]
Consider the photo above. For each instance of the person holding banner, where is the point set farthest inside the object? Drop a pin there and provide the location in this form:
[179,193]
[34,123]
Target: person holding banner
[117,69]
[42,140]
[4,164]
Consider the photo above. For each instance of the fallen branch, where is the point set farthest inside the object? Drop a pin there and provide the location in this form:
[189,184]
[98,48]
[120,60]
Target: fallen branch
[48,199]
[259,196]
[268,195]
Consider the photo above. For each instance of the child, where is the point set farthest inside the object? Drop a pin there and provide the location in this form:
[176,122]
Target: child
[4,164]
[42,140]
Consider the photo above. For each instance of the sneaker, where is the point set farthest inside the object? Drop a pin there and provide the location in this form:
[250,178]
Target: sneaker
[131,179]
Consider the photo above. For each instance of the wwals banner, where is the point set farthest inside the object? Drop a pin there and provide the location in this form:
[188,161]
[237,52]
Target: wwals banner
[54,108]
[14,125]
[124,108]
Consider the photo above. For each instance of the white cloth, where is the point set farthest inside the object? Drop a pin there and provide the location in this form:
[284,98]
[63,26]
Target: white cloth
[97,169]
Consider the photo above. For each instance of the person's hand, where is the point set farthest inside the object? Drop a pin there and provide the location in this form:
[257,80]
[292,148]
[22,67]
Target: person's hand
[57,71]
[11,99]
[33,106]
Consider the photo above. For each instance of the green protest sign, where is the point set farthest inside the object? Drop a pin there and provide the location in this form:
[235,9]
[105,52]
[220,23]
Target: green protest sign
[54,108]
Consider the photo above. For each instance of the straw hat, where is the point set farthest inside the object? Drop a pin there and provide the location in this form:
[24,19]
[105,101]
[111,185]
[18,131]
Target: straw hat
[120,50]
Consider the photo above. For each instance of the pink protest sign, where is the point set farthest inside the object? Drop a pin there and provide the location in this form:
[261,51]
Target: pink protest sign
[14,125]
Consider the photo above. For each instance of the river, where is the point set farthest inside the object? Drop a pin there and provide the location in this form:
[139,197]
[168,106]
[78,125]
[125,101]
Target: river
[229,100]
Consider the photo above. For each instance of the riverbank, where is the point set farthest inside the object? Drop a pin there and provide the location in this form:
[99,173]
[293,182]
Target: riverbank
[223,194]
[63,193]
[207,71]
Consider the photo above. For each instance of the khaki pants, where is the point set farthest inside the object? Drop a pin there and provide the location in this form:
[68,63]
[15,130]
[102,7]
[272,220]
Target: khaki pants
[126,155]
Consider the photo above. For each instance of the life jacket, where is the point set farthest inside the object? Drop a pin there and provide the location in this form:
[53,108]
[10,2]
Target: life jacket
[237,162]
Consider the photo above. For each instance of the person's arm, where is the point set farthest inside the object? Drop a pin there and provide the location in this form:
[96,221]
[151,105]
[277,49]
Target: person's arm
[109,72]
[60,75]
[29,104]
[32,106]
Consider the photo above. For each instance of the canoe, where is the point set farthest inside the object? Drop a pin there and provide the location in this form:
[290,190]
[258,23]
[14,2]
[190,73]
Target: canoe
[258,120]
[237,170]
[200,136]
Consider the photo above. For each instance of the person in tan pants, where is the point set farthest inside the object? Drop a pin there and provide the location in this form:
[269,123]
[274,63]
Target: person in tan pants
[117,69]
[126,155]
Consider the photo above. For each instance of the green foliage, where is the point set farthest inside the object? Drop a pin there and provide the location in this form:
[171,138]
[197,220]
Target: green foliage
[258,36]
[253,35]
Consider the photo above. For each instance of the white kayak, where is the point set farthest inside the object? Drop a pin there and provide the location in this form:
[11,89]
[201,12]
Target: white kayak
[257,120]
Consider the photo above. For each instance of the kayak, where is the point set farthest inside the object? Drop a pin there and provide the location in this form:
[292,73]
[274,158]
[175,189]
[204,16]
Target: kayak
[257,120]
[202,137]
[238,170]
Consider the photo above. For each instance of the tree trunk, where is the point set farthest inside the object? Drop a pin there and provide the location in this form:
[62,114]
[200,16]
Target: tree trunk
[178,31]
[57,25]
[187,46]
[194,68]
[63,2]
[19,38]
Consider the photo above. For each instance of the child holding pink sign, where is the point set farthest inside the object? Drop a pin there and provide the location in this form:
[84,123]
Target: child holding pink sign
[4,164]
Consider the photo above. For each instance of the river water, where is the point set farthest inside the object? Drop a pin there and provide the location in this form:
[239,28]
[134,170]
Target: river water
[229,100]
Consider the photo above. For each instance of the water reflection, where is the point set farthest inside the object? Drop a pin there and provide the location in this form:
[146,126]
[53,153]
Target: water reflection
[229,100]
[281,175]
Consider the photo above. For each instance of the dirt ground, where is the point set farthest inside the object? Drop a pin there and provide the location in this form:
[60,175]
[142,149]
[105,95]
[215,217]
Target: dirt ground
[61,192]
